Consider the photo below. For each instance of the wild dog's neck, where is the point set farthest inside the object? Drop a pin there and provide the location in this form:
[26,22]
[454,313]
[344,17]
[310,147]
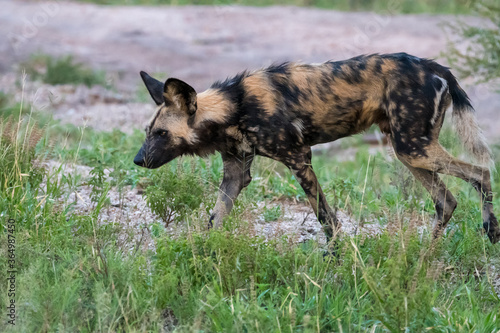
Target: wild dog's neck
[211,118]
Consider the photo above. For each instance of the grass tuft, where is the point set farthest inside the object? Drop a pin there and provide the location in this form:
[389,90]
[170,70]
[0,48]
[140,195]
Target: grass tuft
[63,70]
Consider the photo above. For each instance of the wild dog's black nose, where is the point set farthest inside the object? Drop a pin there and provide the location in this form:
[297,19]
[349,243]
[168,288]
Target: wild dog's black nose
[139,158]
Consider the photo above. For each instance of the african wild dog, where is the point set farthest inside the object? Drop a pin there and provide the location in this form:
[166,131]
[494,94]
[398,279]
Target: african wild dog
[281,111]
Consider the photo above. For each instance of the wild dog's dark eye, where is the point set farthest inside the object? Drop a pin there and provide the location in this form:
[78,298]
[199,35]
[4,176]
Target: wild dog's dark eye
[161,133]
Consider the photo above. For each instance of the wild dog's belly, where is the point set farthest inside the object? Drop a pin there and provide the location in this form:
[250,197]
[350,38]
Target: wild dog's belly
[341,122]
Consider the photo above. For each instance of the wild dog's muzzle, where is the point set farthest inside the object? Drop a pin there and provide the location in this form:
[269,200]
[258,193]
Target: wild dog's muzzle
[140,158]
[152,157]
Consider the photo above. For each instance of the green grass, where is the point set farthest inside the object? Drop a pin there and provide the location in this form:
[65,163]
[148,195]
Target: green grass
[74,274]
[403,6]
[63,70]
[272,213]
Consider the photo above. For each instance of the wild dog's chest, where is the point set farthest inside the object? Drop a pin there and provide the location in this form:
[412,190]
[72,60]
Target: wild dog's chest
[237,140]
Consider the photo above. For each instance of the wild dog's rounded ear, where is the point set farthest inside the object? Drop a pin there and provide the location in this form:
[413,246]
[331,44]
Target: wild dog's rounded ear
[154,87]
[181,94]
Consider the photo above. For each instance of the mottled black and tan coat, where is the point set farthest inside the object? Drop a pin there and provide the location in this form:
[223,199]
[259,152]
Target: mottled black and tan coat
[281,111]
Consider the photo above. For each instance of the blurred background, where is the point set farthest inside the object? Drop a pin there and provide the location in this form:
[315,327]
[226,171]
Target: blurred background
[79,60]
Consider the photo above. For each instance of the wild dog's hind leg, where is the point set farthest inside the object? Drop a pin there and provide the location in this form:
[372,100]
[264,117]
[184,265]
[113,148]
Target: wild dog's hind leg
[303,171]
[443,199]
[236,177]
[439,160]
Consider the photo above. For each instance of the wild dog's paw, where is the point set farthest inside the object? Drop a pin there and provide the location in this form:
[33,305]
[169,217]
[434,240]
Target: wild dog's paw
[492,229]
[332,251]
[211,222]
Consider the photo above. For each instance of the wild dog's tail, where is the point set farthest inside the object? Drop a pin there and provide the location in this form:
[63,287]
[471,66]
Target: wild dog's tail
[465,122]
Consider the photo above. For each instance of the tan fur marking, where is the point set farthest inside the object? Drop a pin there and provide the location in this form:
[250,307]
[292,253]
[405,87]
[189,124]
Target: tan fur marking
[421,77]
[372,104]
[236,134]
[257,85]
[303,78]
[212,106]
[370,114]
[172,95]
[179,128]
[254,129]
[388,66]
[300,75]
[345,90]
[175,122]
[371,62]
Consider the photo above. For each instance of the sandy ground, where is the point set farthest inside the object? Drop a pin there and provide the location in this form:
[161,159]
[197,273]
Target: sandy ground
[203,44]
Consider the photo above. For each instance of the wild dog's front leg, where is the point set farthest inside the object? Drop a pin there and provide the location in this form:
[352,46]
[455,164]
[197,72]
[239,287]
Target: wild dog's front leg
[236,177]
[304,173]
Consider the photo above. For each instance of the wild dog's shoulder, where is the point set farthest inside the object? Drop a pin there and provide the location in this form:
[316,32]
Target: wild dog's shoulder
[214,107]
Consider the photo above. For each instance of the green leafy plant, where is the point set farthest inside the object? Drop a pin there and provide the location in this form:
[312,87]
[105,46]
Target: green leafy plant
[272,214]
[173,195]
[97,182]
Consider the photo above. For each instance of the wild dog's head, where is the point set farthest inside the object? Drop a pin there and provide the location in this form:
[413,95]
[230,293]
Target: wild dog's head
[168,134]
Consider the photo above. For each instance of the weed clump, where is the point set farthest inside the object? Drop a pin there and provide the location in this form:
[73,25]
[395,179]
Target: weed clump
[272,214]
[173,195]
[64,70]
[18,141]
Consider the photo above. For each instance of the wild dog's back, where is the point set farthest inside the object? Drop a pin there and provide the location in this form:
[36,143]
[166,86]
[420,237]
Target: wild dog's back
[318,103]
[333,99]
[311,104]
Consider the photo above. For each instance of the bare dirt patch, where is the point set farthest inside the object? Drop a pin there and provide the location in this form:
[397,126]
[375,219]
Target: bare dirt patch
[300,224]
